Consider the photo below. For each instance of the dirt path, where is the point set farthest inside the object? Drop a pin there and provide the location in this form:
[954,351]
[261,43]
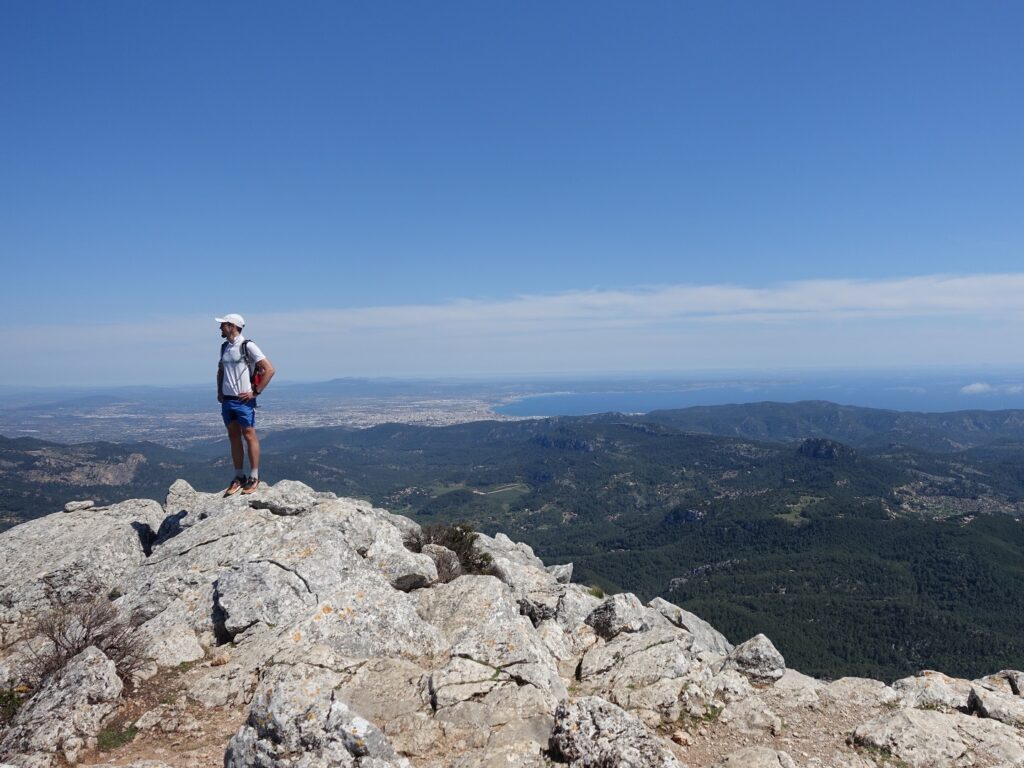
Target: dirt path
[158,721]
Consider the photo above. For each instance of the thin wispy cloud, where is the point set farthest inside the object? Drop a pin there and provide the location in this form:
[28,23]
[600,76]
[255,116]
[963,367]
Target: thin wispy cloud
[916,296]
[924,320]
[984,388]
[977,388]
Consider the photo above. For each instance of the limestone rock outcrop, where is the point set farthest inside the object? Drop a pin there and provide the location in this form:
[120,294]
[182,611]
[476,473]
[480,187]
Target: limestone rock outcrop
[318,632]
[591,733]
[66,713]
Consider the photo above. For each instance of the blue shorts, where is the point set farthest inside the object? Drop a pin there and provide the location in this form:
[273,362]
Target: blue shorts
[236,410]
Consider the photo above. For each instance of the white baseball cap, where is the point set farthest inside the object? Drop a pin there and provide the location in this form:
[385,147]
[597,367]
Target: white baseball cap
[233,319]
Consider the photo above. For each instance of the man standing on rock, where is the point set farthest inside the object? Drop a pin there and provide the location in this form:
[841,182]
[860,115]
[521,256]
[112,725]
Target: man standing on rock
[243,373]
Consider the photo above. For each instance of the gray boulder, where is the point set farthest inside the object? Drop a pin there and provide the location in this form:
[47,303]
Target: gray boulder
[561,573]
[508,725]
[573,607]
[928,739]
[295,719]
[169,638]
[1009,681]
[498,689]
[704,635]
[619,613]
[1006,708]
[593,733]
[859,691]
[933,690]
[410,529]
[758,660]
[66,714]
[385,690]
[798,690]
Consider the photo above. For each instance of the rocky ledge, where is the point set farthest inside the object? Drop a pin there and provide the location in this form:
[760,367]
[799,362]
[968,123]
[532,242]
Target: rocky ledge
[316,631]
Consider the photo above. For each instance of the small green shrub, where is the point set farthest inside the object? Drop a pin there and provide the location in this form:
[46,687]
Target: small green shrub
[597,592]
[460,539]
[182,668]
[712,713]
[11,699]
[112,738]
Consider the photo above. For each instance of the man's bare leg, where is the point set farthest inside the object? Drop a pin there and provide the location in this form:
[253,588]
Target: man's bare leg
[237,457]
[237,451]
[253,443]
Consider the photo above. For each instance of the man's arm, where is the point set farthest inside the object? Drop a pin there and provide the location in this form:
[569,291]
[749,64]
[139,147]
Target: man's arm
[220,382]
[266,371]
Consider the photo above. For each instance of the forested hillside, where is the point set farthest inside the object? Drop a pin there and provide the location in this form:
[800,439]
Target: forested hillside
[856,560]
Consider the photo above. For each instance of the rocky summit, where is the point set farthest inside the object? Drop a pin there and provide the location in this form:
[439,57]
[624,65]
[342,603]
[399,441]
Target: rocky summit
[294,628]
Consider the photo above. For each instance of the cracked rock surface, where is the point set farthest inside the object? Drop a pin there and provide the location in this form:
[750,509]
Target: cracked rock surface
[66,713]
[305,624]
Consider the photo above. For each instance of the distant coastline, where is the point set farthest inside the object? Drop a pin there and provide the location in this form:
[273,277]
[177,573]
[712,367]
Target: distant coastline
[923,393]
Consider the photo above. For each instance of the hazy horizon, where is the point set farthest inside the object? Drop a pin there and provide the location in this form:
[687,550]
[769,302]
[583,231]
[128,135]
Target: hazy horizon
[938,389]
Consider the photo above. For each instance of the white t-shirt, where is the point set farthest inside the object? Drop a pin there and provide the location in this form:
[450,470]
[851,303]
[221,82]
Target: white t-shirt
[236,371]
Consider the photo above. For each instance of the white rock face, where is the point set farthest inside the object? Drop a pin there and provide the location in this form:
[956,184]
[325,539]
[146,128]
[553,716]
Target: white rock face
[933,690]
[308,616]
[296,712]
[645,672]
[66,713]
[70,557]
[1006,708]
[704,635]
[925,739]
[591,733]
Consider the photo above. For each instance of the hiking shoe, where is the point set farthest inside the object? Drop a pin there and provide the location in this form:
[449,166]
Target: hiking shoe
[251,484]
[236,485]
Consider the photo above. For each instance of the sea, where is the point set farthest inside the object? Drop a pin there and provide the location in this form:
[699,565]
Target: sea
[914,391]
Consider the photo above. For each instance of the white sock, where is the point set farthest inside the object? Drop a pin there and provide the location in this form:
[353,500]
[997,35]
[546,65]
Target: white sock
[254,473]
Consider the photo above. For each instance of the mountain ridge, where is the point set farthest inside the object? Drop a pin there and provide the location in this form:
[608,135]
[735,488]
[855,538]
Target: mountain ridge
[294,627]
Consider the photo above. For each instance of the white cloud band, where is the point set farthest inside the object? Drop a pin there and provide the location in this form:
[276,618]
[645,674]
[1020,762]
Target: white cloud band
[925,320]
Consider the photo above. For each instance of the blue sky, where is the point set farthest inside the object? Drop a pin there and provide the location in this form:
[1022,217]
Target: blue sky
[408,188]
